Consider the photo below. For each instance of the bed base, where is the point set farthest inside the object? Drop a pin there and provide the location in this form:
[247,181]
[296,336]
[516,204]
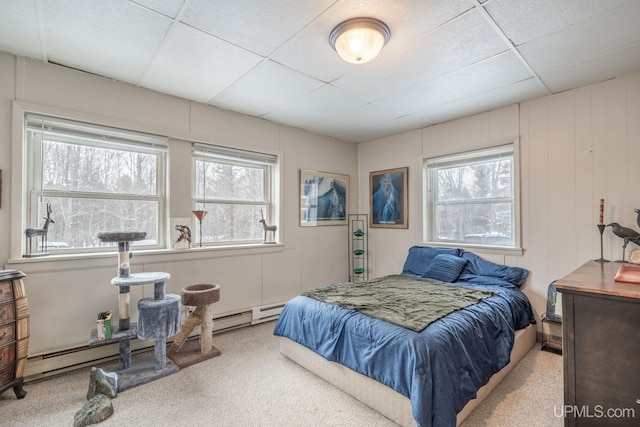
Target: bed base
[384,399]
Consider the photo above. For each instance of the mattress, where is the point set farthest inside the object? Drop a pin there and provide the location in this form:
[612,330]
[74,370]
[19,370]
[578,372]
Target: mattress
[386,400]
[439,370]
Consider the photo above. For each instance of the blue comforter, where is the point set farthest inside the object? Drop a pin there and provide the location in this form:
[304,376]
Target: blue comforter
[439,369]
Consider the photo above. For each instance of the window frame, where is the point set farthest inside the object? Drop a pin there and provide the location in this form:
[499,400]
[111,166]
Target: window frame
[98,135]
[468,156]
[235,157]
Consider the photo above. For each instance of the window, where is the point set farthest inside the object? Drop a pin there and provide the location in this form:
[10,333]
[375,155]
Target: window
[94,179]
[471,198]
[235,187]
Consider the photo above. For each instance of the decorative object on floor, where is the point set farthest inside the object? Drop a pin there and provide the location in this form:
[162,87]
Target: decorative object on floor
[267,229]
[185,353]
[359,40]
[200,215]
[601,228]
[388,198]
[30,233]
[102,382]
[158,317]
[552,318]
[95,410]
[185,235]
[627,234]
[14,331]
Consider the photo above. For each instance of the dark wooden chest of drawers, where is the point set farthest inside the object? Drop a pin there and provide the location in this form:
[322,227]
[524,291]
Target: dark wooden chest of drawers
[14,331]
[601,344]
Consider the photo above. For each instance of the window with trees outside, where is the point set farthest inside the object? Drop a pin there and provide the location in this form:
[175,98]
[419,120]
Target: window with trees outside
[235,187]
[94,178]
[471,198]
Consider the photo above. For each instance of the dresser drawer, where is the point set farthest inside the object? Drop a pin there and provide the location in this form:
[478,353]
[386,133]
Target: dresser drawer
[7,333]
[6,291]
[7,312]
[7,353]
[6,373]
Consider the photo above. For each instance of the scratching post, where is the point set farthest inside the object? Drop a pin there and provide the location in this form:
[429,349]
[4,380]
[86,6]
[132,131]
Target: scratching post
[158,317]
[202,298]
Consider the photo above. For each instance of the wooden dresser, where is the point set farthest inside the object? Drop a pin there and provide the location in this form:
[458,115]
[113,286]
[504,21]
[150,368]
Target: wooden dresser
[14,331]
[601,347]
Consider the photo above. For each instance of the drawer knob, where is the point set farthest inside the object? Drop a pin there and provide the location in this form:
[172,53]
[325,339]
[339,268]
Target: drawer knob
[3,313]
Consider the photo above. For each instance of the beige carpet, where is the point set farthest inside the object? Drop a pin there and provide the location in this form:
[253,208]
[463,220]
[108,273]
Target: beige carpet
[252,384]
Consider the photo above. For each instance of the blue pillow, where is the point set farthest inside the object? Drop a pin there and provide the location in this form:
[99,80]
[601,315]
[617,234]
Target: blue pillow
[445,268]
[480,267]
[420,257]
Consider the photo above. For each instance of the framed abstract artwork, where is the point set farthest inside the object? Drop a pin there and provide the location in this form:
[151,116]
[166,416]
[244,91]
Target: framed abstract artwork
[388,198]
[324,198]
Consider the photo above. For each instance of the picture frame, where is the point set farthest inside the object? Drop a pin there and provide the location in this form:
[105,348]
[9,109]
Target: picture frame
[388,202]
[324,198]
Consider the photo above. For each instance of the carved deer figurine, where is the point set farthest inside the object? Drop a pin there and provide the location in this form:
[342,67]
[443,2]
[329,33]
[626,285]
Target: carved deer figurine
[42,232]
[267,228]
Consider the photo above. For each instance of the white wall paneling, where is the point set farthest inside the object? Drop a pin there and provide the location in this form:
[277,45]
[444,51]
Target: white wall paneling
[65,294]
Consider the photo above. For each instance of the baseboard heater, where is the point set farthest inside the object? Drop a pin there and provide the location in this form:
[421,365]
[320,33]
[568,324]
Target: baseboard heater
[49,364]
[266,313]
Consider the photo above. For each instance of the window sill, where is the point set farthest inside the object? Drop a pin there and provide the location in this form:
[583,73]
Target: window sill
[495,250]
[71,261]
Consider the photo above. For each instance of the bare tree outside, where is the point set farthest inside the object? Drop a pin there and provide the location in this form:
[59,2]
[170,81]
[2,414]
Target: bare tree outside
[474,202]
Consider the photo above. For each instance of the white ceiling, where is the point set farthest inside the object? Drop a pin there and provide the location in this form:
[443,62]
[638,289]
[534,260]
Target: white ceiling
[271,58]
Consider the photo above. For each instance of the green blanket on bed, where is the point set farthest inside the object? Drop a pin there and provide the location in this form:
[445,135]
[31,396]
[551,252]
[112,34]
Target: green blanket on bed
[404,301]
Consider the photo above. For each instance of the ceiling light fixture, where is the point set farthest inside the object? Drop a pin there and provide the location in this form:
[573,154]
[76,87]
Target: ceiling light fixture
[359,40]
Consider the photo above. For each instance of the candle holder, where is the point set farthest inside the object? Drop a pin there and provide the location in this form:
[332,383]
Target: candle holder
[200,215]
[601,228]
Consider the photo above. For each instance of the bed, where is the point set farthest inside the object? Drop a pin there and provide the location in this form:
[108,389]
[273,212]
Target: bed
[433,376]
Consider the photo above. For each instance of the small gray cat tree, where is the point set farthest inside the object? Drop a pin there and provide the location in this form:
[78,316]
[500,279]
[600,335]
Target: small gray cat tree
[158,317]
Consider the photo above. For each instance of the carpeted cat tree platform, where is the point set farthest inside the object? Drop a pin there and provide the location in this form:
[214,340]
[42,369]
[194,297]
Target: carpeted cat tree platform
[186,353]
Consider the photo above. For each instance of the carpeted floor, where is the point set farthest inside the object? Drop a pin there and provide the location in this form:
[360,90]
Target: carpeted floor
[252,384]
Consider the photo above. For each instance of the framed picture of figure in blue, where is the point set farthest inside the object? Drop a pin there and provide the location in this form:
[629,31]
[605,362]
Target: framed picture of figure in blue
[324,198]
[388,197]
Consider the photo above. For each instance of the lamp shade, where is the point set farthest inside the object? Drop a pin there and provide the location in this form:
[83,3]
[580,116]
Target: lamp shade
[359,40]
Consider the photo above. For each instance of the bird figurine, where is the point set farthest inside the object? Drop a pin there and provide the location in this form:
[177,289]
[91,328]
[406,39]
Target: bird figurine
[627,234]
[185,234]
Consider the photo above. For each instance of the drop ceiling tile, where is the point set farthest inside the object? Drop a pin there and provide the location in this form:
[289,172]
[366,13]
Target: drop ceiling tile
[317,108]
[113,39]
[309,50]
[455,45]
[500,97]
[265,88]
[523,21]
[575,44]
[500,70]
[168,8]
[195,65]
[19,28]
[366,123]
[256,25]
[615,64]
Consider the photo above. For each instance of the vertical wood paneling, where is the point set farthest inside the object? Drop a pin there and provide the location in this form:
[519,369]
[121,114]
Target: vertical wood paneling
[538,197]
[587,206]
[616,160]
[633,149]
[599,162]
[525,185]
[561,175]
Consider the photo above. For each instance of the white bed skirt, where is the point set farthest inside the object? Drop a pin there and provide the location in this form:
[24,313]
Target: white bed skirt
[384,399]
